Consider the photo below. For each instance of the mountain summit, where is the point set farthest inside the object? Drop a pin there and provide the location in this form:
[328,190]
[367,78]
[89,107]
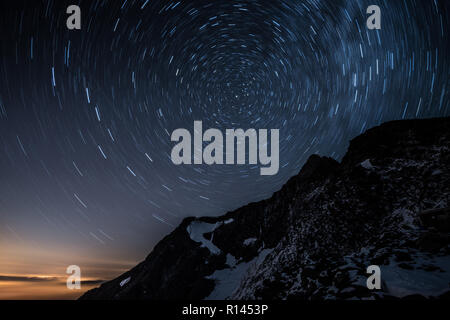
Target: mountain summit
[385,204]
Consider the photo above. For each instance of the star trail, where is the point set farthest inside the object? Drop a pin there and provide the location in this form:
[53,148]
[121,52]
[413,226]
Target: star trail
[86,115]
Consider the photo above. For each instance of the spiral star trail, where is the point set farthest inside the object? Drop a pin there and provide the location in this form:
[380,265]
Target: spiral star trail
[86,115]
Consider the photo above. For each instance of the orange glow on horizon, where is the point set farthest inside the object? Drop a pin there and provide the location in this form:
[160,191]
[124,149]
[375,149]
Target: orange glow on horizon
[26,275]
[33,270]
[39,287]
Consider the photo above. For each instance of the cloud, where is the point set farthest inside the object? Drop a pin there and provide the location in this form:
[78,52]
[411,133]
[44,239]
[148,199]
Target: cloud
[27,279]
[91,282]
[47,279]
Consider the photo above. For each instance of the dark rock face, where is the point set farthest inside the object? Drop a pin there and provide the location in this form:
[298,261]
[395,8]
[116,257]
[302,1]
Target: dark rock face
[315,238]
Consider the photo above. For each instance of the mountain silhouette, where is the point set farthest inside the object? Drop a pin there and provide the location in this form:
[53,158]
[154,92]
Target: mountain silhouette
[385,204]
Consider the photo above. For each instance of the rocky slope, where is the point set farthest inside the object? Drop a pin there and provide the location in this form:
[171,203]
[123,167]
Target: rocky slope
[315,238]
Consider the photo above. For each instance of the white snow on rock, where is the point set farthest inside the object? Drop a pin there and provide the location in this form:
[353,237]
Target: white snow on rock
[196,230]
[406,217]
[231,260]
[125,281]
[366,164]
[249,241]
[401,282]
[228,280]
[228,221]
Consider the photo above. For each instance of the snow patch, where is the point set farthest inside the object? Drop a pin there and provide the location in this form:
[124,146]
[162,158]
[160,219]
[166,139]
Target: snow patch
[231,261]
[228,280]
[125,281]
[197,229]
[249,241]
[366,164]
[406,217]
[401,282]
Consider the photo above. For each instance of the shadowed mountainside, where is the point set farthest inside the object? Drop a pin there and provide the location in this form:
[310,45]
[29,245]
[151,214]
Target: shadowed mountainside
[315,238]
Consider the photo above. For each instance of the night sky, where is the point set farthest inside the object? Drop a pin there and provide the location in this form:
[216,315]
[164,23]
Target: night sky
[86,115]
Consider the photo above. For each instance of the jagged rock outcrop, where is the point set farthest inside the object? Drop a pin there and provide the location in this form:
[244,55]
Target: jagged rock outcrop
[315,238]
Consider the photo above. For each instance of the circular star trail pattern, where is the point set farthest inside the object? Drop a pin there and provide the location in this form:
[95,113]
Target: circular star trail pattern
[86,116]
